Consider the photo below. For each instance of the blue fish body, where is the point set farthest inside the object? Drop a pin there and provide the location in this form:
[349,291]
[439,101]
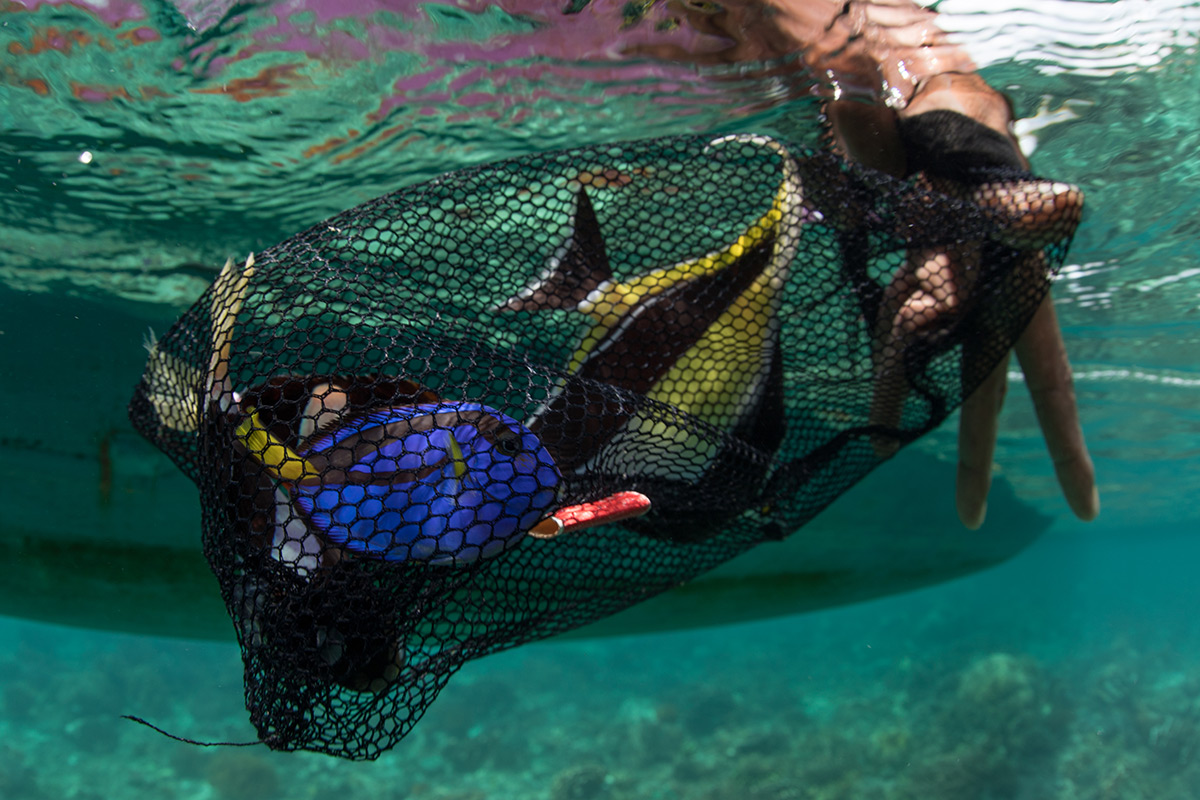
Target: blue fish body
[447,482]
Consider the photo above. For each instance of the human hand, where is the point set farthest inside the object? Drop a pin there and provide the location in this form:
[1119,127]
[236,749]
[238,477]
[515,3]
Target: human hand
[922,303]
[1042,356]
[891,52]
[1037,213]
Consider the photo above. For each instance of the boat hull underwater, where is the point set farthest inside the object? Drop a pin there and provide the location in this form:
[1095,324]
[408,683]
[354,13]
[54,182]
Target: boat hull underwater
[102,530]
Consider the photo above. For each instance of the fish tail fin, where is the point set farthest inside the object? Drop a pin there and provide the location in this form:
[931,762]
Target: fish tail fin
[281,461]
[229,292]
[578,267]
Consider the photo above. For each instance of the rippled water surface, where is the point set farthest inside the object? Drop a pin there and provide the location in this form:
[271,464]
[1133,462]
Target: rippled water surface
[141,144]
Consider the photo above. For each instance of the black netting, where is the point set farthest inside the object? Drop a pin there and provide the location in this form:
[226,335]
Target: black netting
[398,418]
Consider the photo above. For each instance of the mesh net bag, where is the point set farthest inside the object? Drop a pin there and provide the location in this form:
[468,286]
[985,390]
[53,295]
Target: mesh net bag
[510,401]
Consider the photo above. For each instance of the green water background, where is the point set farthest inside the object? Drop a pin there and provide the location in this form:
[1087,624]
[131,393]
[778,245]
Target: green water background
[1094,626]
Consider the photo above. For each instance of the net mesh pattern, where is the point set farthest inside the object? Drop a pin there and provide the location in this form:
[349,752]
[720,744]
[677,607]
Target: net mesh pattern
[380,410]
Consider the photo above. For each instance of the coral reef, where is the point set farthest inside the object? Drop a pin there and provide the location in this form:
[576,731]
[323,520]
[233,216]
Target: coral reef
[239,775]
[884,702]
[1008,701]
[586,782]
[17,778]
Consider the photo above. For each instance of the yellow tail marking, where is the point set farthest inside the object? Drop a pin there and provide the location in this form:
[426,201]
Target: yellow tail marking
[283,462]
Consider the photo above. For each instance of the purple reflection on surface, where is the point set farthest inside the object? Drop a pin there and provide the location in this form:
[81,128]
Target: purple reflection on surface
[111,12]
[554,49]
[594,35]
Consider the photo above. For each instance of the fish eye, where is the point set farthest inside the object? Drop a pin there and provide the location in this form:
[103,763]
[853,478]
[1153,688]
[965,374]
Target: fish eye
[508,443]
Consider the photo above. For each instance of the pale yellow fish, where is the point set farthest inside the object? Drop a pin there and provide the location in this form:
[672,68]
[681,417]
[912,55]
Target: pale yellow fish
[173,383]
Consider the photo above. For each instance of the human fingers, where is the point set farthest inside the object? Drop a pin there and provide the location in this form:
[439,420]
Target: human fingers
[1043,359]
[977,431]
[1034,213]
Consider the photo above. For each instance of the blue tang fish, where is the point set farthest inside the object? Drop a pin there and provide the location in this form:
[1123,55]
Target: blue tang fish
[445,482]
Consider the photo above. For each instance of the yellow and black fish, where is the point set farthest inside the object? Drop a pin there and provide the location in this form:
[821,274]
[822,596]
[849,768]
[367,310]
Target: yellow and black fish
[700,336]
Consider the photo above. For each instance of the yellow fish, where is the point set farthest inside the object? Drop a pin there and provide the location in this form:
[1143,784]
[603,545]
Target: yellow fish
[700,336]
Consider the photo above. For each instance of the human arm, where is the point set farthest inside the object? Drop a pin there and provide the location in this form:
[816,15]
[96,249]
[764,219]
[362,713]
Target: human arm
[884,69]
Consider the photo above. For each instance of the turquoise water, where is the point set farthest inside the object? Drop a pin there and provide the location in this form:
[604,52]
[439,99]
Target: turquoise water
[1068,672]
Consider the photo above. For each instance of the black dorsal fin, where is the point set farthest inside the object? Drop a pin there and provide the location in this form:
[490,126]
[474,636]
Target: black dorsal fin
[576,269]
